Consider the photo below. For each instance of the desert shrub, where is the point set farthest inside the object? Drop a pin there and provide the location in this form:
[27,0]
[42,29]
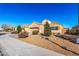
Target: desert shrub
[77,32]
[8,30]
[41,33]
[73,31]
[23,34]
[35,32]
[14,32]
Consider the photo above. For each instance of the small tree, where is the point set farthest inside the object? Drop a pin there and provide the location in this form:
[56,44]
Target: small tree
[47,29]
[19,29]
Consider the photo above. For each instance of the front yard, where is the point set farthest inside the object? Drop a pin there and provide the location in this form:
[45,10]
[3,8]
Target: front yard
[41,42]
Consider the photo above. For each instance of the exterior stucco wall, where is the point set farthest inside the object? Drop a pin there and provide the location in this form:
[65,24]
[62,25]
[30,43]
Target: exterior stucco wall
[60,30]
[41,28]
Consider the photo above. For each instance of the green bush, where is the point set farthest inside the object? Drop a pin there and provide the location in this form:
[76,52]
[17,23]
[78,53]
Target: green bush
[19,29]
[35,32]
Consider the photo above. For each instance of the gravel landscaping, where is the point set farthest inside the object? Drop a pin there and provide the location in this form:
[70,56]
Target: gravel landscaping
[55,45]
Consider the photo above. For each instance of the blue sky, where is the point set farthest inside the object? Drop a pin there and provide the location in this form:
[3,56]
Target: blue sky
[26,13]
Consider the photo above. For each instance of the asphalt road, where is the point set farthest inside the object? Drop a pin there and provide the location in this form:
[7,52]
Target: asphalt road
[12,47]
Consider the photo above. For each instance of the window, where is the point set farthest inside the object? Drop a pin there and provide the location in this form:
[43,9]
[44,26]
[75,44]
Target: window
[54,28]
[34,27]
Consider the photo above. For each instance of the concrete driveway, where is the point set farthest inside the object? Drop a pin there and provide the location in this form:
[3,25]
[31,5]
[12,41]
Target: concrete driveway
[12,47]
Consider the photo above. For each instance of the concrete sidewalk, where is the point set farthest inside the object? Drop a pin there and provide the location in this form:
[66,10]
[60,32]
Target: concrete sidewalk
[13,47]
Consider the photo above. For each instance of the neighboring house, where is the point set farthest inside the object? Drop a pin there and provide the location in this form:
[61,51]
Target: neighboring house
[34,26]
[76,27]
[1,29]
[56,28]
[27,29]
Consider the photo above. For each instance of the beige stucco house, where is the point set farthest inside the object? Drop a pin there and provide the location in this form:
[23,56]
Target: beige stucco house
[56,28]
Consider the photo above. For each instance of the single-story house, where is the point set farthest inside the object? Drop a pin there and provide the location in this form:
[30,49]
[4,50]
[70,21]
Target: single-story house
[56,28]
